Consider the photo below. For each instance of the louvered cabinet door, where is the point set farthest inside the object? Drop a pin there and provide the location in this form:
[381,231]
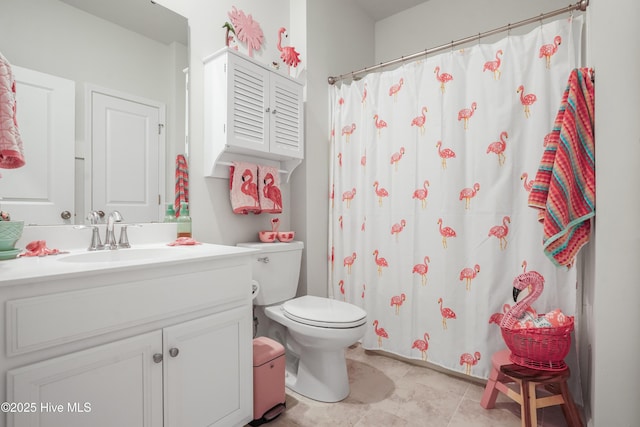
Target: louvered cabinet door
[286,124]
[248,121]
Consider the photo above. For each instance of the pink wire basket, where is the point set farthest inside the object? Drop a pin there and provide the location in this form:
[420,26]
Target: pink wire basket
[539,348]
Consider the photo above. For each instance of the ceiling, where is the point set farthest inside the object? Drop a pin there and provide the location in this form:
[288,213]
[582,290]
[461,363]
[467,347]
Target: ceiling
[142,16]
[380,9]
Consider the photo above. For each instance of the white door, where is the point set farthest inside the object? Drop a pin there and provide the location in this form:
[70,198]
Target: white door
[208,371]
[42,191]
[117,384]
[127,156]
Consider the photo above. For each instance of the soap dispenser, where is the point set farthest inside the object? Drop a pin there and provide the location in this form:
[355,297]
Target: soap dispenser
[184,221]
[170,214]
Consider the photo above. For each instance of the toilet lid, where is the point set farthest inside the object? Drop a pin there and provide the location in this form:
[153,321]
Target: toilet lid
[324,312]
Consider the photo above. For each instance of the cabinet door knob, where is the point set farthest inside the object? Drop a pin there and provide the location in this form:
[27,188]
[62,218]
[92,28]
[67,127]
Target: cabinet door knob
[267,110]
[274,111]
[173,352]
[65,214]
[157,358]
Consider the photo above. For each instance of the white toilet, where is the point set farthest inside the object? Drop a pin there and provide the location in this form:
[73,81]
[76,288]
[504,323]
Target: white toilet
[318,330]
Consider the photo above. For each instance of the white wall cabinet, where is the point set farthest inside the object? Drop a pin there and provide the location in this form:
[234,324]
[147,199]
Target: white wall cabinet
[250,110]
[203,382]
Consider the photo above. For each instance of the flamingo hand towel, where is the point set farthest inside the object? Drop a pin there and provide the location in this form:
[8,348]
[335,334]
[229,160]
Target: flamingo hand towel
[11,152]
[564,188]
[269,189]
[243,188]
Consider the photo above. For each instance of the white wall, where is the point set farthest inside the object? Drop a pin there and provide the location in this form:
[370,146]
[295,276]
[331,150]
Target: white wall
[615,382]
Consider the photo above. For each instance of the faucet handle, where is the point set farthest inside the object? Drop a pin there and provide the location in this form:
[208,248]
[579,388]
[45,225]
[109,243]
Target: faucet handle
[96,243]
[123,242]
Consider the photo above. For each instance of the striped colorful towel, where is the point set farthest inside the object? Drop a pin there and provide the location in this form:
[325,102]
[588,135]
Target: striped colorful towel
[564,188]
[182,183]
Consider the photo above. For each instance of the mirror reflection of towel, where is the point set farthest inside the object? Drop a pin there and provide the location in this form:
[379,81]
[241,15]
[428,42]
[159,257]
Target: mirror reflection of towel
[269,189]
[243,188]
[11,152]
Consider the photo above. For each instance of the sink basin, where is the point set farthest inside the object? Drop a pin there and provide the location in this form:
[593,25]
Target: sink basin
[119,255]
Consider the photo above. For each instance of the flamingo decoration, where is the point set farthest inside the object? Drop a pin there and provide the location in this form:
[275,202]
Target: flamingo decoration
[249,187]
[494,66]
[272,192]
[397,300]
[348,130]
[422,345]
[469,360]
[468,274]
[348,261]
[381,262]
[468,193]
[340,159]
[498,147]
[548,50]
[422,193]
[380,124]
[397,228]
[340,221]
[364,288]
[380,332]
[396,157]
[420,120]
[341,285]
[394,89]
[422,269]
[380,192]
[531,279]
[445,154]
[501,231]
[466,113]
[364,94]
[446,313]
[528,185]
[526,100]
[363,159]
[348,196]
[442,78]
[288,54]
[446,232]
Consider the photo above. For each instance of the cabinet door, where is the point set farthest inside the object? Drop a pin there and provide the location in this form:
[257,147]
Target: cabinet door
[248,105]
[286,127]
[114,385]
[209,371]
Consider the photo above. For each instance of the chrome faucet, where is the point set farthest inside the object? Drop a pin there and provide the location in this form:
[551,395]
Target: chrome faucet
[110,240]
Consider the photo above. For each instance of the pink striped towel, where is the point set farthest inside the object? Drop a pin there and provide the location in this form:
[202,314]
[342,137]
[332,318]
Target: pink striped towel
[182,183]
[243,188]
[564,188]
[269,189]
[11,152]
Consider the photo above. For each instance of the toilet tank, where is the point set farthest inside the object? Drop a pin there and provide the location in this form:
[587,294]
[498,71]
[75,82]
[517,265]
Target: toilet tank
[276,269]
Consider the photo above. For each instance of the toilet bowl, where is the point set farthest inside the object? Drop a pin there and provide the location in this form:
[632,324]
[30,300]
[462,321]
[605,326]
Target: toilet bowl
[318,330]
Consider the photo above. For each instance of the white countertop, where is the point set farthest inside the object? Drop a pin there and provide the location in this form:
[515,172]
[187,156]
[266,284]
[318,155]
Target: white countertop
[30,269]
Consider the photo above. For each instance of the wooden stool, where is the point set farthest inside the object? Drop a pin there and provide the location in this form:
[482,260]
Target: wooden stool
[504,371]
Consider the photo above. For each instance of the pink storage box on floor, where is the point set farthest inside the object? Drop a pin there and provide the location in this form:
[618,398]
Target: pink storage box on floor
[268,380]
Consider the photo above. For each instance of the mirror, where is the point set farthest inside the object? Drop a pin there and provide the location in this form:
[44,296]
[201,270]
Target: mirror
[133,49]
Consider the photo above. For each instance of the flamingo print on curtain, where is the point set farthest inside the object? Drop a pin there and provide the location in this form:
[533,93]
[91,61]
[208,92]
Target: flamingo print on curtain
[431,171]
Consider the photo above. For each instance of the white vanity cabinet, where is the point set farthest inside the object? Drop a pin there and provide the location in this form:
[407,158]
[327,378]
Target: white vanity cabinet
[164,345]
[251,109]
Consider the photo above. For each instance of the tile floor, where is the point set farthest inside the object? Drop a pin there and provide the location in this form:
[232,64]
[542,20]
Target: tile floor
[389,392]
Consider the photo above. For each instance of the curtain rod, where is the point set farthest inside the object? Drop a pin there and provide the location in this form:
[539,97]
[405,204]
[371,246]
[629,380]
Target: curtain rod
[581,6]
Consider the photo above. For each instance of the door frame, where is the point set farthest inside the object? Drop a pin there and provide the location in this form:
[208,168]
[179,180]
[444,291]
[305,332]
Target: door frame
[90,89]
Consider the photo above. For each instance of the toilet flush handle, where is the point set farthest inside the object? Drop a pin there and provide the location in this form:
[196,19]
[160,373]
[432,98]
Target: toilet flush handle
[264,259]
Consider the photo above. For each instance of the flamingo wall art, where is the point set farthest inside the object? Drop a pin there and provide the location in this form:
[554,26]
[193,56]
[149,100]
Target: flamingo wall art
[432,157]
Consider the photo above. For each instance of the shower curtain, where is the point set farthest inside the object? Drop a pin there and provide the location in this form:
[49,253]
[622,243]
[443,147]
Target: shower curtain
[432,164]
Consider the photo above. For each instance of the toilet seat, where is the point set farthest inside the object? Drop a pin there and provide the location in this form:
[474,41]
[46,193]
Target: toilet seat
[324,312]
